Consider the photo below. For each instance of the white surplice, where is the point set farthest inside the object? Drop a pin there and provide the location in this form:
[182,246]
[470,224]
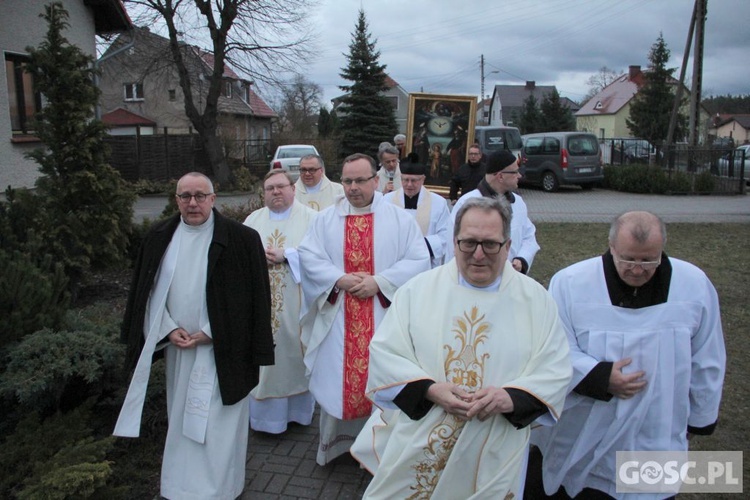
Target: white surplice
[511,337]
[282,395]
[680,346]
[434,219]
[522,230]
[399,254]
[318,197]
[206,445]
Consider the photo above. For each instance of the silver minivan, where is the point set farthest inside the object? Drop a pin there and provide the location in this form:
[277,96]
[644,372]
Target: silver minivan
[555,158]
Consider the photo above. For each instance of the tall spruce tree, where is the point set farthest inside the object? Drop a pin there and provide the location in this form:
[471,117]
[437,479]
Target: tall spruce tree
[652,106]
[531,119]
[87,209]
[366,117]
[556,117]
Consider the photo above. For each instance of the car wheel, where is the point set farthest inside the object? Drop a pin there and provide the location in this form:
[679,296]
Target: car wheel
[549,182]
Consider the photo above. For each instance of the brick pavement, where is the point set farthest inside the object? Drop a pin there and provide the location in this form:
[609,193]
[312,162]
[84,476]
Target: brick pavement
[283,467]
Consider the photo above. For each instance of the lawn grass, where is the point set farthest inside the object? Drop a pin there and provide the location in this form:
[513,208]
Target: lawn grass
[722,251]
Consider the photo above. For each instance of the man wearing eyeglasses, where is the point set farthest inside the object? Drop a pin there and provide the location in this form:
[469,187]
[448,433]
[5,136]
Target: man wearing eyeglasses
[313,188]
[469,175]
[353,258]
[429,209]
[469,354]
[282,395]
[648,356]
[200,297]
[501,179]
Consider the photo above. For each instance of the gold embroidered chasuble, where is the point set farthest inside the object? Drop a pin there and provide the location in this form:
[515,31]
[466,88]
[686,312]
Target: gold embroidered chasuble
[287,376]
[475,339]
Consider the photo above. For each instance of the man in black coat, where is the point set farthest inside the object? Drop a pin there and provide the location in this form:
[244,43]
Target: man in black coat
[468,175]
[201,295]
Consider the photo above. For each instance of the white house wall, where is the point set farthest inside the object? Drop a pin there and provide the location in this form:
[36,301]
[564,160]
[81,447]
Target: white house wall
[21,26]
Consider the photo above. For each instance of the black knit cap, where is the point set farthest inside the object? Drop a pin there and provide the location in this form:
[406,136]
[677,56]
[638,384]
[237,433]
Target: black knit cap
[500,160]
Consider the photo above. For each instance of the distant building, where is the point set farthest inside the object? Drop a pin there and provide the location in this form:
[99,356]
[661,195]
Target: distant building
[396,95]
[736,127]
[607,112]
[21,27]
[140,88]
[507,101]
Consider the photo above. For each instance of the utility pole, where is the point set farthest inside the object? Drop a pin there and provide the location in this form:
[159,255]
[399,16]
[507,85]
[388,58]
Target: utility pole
[481,77]
[701,7]
[669,143]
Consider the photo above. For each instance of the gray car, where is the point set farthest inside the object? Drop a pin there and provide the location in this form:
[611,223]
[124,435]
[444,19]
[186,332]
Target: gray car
[555,158]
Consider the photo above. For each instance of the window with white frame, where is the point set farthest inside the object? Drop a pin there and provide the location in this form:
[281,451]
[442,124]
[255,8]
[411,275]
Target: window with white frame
[227,89]
[133,91]
[23,101]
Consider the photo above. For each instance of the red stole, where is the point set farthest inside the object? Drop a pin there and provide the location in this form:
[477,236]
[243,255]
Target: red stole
[359,316]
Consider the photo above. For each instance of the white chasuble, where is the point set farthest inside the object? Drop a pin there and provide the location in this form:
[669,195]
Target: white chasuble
[510,338]
[319,197]
[678,344]
[287,376]
[398,253]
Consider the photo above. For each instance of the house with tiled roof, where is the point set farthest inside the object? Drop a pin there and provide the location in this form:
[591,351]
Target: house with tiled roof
[396,95]
[507,101]
[21,26]
[735,127]
[138,76]
[607,112]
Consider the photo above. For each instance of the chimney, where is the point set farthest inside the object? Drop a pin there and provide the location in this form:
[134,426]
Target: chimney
[530,85]
[633,71]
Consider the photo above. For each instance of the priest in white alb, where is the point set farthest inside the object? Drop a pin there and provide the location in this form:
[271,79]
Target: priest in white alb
[469,354]
[501,180]
[200,296]
[313,188]
[648,358]
[282,395]
[429,209]
[354,257]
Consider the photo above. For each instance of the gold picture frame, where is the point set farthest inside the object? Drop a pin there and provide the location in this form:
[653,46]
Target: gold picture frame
[440,129]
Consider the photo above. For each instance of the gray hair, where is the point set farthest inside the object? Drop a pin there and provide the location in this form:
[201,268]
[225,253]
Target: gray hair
[399,137]
[497,203]
[361,156]
[319,158]
[387,147]
[640,224]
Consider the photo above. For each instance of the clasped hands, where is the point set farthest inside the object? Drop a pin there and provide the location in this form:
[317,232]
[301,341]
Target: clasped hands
[182,339]
[359,284]
[274,256]
[483,404]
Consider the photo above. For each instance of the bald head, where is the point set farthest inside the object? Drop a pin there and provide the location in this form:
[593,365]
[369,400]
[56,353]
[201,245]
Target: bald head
[640,225]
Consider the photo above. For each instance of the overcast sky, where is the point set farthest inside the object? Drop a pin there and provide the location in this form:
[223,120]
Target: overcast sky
[435,45]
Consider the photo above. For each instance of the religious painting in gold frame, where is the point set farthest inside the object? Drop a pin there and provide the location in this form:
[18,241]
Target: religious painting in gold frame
[440,128]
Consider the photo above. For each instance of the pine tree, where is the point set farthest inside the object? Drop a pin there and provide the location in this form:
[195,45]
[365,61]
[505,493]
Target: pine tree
[88,210]
[652,106]
[531,118]
[555,116]
[366,117]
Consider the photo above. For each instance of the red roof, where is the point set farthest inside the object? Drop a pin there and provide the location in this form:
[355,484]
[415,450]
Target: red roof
[121,117]
[259,107]
[208,58]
